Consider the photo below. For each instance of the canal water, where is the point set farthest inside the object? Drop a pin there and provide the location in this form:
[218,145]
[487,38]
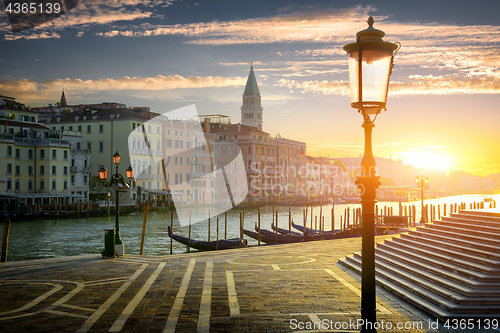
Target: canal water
[52,238]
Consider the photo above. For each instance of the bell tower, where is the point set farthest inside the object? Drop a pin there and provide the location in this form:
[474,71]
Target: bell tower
[251,110]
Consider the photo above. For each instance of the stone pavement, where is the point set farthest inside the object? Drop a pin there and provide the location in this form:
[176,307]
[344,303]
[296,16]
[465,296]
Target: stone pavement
[277,288]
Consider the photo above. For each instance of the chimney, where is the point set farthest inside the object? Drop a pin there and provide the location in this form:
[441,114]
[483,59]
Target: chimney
[206,126]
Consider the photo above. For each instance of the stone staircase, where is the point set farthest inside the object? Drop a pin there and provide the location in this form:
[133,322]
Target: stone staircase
[449,268]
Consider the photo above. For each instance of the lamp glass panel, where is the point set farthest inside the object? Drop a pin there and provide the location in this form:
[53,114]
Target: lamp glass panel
[376,69]
[103,173]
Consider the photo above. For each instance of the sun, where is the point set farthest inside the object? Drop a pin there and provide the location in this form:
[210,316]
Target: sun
[428,160]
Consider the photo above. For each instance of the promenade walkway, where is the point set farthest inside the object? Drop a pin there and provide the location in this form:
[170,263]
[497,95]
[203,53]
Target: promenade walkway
[260,289]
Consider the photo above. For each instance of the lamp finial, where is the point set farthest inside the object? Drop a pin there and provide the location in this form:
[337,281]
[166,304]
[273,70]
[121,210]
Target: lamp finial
[371,21]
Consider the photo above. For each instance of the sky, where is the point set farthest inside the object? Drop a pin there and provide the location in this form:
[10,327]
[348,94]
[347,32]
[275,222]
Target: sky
[443,104]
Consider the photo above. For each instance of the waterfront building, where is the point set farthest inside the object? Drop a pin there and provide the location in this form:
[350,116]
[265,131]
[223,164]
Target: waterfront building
[273,164]
[105,131]
[36,163]
[328,178]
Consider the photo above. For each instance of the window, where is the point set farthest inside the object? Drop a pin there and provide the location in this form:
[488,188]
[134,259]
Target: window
[65,171]
[176,133]
[168,178]
[18,185]
[9,151]
[169,143]
[54,187]
[85,163]
[89,146]
[18,170]
[180,133]
[188,145]
[42,184]
[54,154]
[176,159]
[101,128]
[176,143]
[158,145]
[158,130]
[84,180]
[180,160]
[149,128]
[181,143]
[168,132]
[65,155]
[54,170]
[89,129]
[168,160]
[18,153]
[78,145]
[176,179]
[30,154]
[9,184]
[30,170]
[30,185]
[180,178]
[42,154]
[187,160]
[72,179]
[9,169]
[65,184]
[79,128]
[133,126]
[101,147]
[42,170]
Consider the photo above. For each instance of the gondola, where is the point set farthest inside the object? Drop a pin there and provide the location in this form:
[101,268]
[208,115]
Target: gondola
[272,237]
[286,231]
[313,231]
[209,246]
[264,238]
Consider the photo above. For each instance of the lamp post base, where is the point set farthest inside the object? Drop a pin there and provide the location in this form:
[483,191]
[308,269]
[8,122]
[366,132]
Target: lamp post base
[119,250]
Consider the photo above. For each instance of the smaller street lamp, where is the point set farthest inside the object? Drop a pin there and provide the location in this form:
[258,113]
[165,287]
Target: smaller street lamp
[422,183]
[118,180]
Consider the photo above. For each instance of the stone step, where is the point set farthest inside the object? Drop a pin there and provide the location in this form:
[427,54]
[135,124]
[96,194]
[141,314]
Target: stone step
[443,287]
[441,268]
[482,268]
[470,224]
[480,250]
[485,214]
[467,240]
[476,235]
[438,307]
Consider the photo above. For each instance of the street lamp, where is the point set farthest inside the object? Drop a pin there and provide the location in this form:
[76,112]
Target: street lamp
[117,179]
[370,66]
[422,183]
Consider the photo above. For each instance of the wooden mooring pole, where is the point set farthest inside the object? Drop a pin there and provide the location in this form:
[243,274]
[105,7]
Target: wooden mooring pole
[144,222]
[171,230]
[5,238]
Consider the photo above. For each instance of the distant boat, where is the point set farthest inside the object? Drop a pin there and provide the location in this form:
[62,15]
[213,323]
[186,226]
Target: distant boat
[223,244]
[490,199]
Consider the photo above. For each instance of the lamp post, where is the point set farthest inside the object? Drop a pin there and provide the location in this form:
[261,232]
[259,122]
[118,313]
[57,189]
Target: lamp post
[422,183]
[370,66]
[117,179]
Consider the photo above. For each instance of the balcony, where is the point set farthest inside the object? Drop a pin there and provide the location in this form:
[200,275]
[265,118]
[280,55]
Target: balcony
[86,169]
[73,169]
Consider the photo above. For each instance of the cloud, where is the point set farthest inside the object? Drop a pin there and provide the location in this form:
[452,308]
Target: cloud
[416,85]
[88,14]
[28,91]
[300,26]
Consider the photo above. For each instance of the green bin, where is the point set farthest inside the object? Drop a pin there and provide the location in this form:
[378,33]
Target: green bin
[109,243]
